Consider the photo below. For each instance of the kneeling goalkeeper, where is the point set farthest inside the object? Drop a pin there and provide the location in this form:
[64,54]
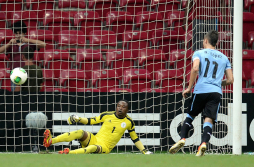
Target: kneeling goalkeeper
[114,125]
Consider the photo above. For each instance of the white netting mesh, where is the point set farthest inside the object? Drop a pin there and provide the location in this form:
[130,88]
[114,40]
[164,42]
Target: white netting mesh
[94,53]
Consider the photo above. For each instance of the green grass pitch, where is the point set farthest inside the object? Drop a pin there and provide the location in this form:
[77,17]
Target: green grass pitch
[124,160]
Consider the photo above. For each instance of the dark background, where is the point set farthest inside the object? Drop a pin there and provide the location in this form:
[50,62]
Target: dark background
[15,136]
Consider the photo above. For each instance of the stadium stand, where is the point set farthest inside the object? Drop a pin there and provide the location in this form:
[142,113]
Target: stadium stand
[72,6]
[105,80]
[130,40]
[119,60]
[87,21]
[135,40]
[169,79]
[134,6]
[5,82]
[137,79]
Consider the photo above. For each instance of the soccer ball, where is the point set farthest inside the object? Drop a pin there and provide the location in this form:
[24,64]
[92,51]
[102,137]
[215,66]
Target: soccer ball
[18,76]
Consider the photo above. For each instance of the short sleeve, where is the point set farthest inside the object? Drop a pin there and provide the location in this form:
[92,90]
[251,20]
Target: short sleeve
[228,65]
[132,126]
[195,56]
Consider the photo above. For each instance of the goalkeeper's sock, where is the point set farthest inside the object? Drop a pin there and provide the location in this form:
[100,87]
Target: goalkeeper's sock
[87,150]
[187,125]
[67,137]
[207,132]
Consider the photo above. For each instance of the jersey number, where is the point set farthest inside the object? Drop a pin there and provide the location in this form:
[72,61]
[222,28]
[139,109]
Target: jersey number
[113,129]
[207,67]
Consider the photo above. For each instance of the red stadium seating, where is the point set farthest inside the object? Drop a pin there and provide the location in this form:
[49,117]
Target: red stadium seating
[119,22]
[9,6]
[5,82]
[137,79]
[87,21]
[105,80]
[152,59]
[43,35]
[56,21]
[57,60]
[248,63]
[248,90]
[103,38]
[28,17]
[165,40]
[164,6]
[248,24]
[103,6]
[89,60]
[39,6]
[3,61]
[252,77]
[49,80]
[71,38]
[184,3]
[119,60]
[135,40]
[249,5]
[3,21]
[88,90]
[177,59]
[134,6]
[120,90]
[175,20]
[225,40]
[244,81]
[5,36]
[179,90]
[72,4]
[153,90]
[169,79]
[73,79]
[54,90]
[149,21]
[250,39]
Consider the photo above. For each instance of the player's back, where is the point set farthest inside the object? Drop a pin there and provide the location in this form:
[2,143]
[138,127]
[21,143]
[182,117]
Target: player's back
[212,66]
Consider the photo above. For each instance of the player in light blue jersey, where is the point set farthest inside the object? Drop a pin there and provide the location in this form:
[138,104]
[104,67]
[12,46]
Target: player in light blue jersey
[210,66]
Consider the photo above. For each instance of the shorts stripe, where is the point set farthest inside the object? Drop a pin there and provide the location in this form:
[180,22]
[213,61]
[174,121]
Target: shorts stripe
[217,112]
[193,102]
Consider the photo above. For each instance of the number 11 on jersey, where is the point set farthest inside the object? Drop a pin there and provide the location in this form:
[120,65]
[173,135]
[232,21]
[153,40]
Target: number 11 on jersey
[207,68]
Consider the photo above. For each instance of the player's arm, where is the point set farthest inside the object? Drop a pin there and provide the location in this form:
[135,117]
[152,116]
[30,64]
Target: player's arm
[39,44]
[194,72]
[138,143]
[73,119]
[230,78]
[229,75]
[193,76]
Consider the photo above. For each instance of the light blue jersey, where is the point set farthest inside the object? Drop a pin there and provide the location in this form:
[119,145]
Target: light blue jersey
[212,66]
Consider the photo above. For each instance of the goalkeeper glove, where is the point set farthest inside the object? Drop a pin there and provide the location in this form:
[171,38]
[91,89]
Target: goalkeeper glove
[146,152]
[73,119]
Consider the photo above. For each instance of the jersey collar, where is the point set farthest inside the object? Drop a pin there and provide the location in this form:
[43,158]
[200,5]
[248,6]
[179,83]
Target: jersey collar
[118,117]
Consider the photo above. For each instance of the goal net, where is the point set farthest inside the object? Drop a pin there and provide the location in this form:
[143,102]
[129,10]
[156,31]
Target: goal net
[93,54]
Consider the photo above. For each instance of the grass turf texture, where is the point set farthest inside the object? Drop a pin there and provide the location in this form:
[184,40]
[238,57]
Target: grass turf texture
[123,160]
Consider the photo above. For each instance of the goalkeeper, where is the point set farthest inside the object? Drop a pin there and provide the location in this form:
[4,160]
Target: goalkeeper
[115,123]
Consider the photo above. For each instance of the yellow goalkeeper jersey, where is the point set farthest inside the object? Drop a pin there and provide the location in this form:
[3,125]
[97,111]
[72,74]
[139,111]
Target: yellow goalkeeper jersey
[113,128]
